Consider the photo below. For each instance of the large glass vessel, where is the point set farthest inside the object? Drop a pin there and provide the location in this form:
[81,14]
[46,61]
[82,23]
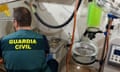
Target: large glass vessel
[83,57]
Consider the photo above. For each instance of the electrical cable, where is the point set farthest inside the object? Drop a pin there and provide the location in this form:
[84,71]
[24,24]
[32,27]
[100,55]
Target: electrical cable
[108,30]
[72,40]
[103,53]
[106,46]
[61,25]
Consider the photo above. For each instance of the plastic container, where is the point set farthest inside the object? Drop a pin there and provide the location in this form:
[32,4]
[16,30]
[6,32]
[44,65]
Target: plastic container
[94,15]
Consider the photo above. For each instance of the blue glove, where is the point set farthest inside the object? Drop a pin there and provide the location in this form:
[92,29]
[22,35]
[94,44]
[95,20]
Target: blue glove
[49,57]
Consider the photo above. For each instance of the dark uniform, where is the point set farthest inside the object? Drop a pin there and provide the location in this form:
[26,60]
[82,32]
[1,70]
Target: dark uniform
[25,51]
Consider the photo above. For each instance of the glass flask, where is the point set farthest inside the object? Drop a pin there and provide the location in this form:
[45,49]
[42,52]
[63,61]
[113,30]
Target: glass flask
[83,56]
[84,52]
[110,6]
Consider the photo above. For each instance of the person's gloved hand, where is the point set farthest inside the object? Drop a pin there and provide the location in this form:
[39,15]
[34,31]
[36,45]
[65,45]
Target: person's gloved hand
[49,57]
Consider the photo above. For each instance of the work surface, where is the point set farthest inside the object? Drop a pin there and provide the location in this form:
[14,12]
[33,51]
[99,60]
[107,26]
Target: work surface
[79,68]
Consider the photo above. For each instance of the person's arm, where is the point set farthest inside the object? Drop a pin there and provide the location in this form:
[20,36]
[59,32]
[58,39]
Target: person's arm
[45,67]
[47,48]
[51,65]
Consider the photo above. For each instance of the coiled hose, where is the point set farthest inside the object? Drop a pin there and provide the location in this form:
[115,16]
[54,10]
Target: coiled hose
[51,26]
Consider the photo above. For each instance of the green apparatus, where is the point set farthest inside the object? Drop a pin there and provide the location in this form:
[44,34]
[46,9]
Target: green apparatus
[94,15]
